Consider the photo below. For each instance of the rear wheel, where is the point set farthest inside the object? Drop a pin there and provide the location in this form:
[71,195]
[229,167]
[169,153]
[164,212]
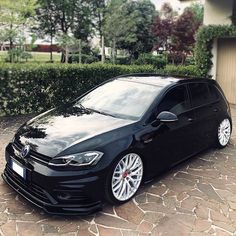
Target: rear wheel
[124,179]
[224,133]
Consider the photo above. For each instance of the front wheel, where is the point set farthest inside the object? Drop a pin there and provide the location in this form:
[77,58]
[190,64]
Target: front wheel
[224,133]
[124,179]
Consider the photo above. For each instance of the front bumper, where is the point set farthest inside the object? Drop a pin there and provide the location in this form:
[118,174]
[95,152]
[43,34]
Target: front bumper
[56,192]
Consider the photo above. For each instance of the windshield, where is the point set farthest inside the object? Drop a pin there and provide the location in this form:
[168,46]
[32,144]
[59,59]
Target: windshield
[122,99]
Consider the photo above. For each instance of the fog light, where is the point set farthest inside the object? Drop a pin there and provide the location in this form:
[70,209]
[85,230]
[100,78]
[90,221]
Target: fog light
[64,196]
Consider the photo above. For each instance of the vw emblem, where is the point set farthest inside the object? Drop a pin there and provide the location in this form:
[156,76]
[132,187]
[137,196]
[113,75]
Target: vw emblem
[25,151]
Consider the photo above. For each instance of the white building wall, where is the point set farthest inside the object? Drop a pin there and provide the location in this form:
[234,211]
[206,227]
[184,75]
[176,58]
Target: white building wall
[214,59]
[218,12]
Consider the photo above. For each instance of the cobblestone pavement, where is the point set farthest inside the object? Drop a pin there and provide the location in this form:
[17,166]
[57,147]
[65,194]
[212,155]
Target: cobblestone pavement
[196,198]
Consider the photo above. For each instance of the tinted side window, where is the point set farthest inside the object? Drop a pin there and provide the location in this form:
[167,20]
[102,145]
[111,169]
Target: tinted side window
[215,94]
[200,94]
[175,101]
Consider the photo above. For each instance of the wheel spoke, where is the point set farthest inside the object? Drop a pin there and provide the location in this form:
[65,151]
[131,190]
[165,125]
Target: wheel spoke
[224,132]
[127,177]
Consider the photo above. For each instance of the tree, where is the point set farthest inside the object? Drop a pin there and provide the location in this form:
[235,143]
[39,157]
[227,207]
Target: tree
[167,11]
[15,15]
[67,17]
[99,9]
[198,10]
[69,44]
[183,38]
[142,13]
[127,26]
[117,26]
[176,34]
[162,30]
[46,16]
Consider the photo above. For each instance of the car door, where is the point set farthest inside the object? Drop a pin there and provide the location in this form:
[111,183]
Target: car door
[205,113]
[172,142]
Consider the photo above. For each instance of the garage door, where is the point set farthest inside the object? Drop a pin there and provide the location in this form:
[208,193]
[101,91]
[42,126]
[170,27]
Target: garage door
[226,68]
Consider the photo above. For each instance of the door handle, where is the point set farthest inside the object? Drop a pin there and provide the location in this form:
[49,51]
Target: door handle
[190,119]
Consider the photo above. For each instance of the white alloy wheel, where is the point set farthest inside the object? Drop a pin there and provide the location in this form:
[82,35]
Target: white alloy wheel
[127,177]
[224,132]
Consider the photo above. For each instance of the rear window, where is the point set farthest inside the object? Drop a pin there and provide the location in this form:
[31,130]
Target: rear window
[200,94]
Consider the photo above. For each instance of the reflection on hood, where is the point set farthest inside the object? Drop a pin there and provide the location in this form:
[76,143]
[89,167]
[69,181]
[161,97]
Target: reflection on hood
[59,129]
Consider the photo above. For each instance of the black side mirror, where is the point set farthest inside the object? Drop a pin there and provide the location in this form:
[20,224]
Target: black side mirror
[167,117]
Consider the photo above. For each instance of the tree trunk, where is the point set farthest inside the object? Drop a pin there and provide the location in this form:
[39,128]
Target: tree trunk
[114,51]
[11,46]
[103,51]
[66,54]
[80,52]
[51,58]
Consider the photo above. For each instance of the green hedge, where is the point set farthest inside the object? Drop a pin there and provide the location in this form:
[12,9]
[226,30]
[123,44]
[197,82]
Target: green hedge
[203,47]
[28,88]
[190,71]
[158,62]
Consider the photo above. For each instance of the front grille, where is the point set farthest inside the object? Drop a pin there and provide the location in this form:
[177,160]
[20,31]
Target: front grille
[32,188]
[34,155]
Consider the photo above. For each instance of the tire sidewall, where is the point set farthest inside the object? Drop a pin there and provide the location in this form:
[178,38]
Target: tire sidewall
[108,184]
[219,145]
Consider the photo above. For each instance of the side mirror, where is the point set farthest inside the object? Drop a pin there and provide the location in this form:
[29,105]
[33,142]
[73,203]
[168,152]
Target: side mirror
[167,117]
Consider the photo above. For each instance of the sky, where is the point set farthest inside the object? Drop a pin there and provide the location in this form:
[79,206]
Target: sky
[159,3]
[174,3]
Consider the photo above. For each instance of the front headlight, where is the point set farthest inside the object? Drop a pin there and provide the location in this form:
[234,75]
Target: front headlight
[79,159]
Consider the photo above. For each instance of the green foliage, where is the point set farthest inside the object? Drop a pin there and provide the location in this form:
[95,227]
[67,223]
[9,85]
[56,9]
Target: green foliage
[15,15]
[27,88]
[86,59]
[26,56]
[127,26]
[198,10]
[158,62]
[123,60]
[142,13]
[204,44]
[190,71]
[176,34]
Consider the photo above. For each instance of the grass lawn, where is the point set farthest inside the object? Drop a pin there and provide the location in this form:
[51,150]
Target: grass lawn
[37,56]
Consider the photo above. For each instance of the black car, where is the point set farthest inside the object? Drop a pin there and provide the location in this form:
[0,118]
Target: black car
[103,145]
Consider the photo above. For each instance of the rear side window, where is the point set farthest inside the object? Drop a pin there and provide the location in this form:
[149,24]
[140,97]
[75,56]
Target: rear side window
[175,101]
[200,94]
[214,92]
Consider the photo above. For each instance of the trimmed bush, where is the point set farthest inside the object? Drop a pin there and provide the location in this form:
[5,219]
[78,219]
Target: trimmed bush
[29,88]
[88,59]
[190,71]
[158,62]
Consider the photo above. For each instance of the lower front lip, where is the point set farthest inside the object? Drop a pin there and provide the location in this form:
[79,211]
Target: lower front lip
[57,192]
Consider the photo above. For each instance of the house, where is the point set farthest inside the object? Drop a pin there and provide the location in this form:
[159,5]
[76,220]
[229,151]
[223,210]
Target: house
[223,13]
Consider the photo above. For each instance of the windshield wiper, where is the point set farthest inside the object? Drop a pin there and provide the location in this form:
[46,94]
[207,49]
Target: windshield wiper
[101,112]
[81,106]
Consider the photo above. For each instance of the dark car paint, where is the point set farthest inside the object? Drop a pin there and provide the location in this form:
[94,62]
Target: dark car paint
[161,146]
[59,131]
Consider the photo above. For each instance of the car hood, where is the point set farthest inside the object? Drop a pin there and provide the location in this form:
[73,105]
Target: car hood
[53,132]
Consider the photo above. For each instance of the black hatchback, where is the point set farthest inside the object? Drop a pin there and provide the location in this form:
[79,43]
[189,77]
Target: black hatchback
[103,145]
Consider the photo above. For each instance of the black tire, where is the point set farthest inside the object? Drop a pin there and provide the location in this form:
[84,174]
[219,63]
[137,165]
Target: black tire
[219,143]
[109,195]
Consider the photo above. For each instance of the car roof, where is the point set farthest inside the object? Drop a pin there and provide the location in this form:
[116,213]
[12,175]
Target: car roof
[159,80]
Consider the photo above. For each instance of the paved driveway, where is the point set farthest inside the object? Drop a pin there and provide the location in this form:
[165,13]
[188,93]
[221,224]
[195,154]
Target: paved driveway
[196,198]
